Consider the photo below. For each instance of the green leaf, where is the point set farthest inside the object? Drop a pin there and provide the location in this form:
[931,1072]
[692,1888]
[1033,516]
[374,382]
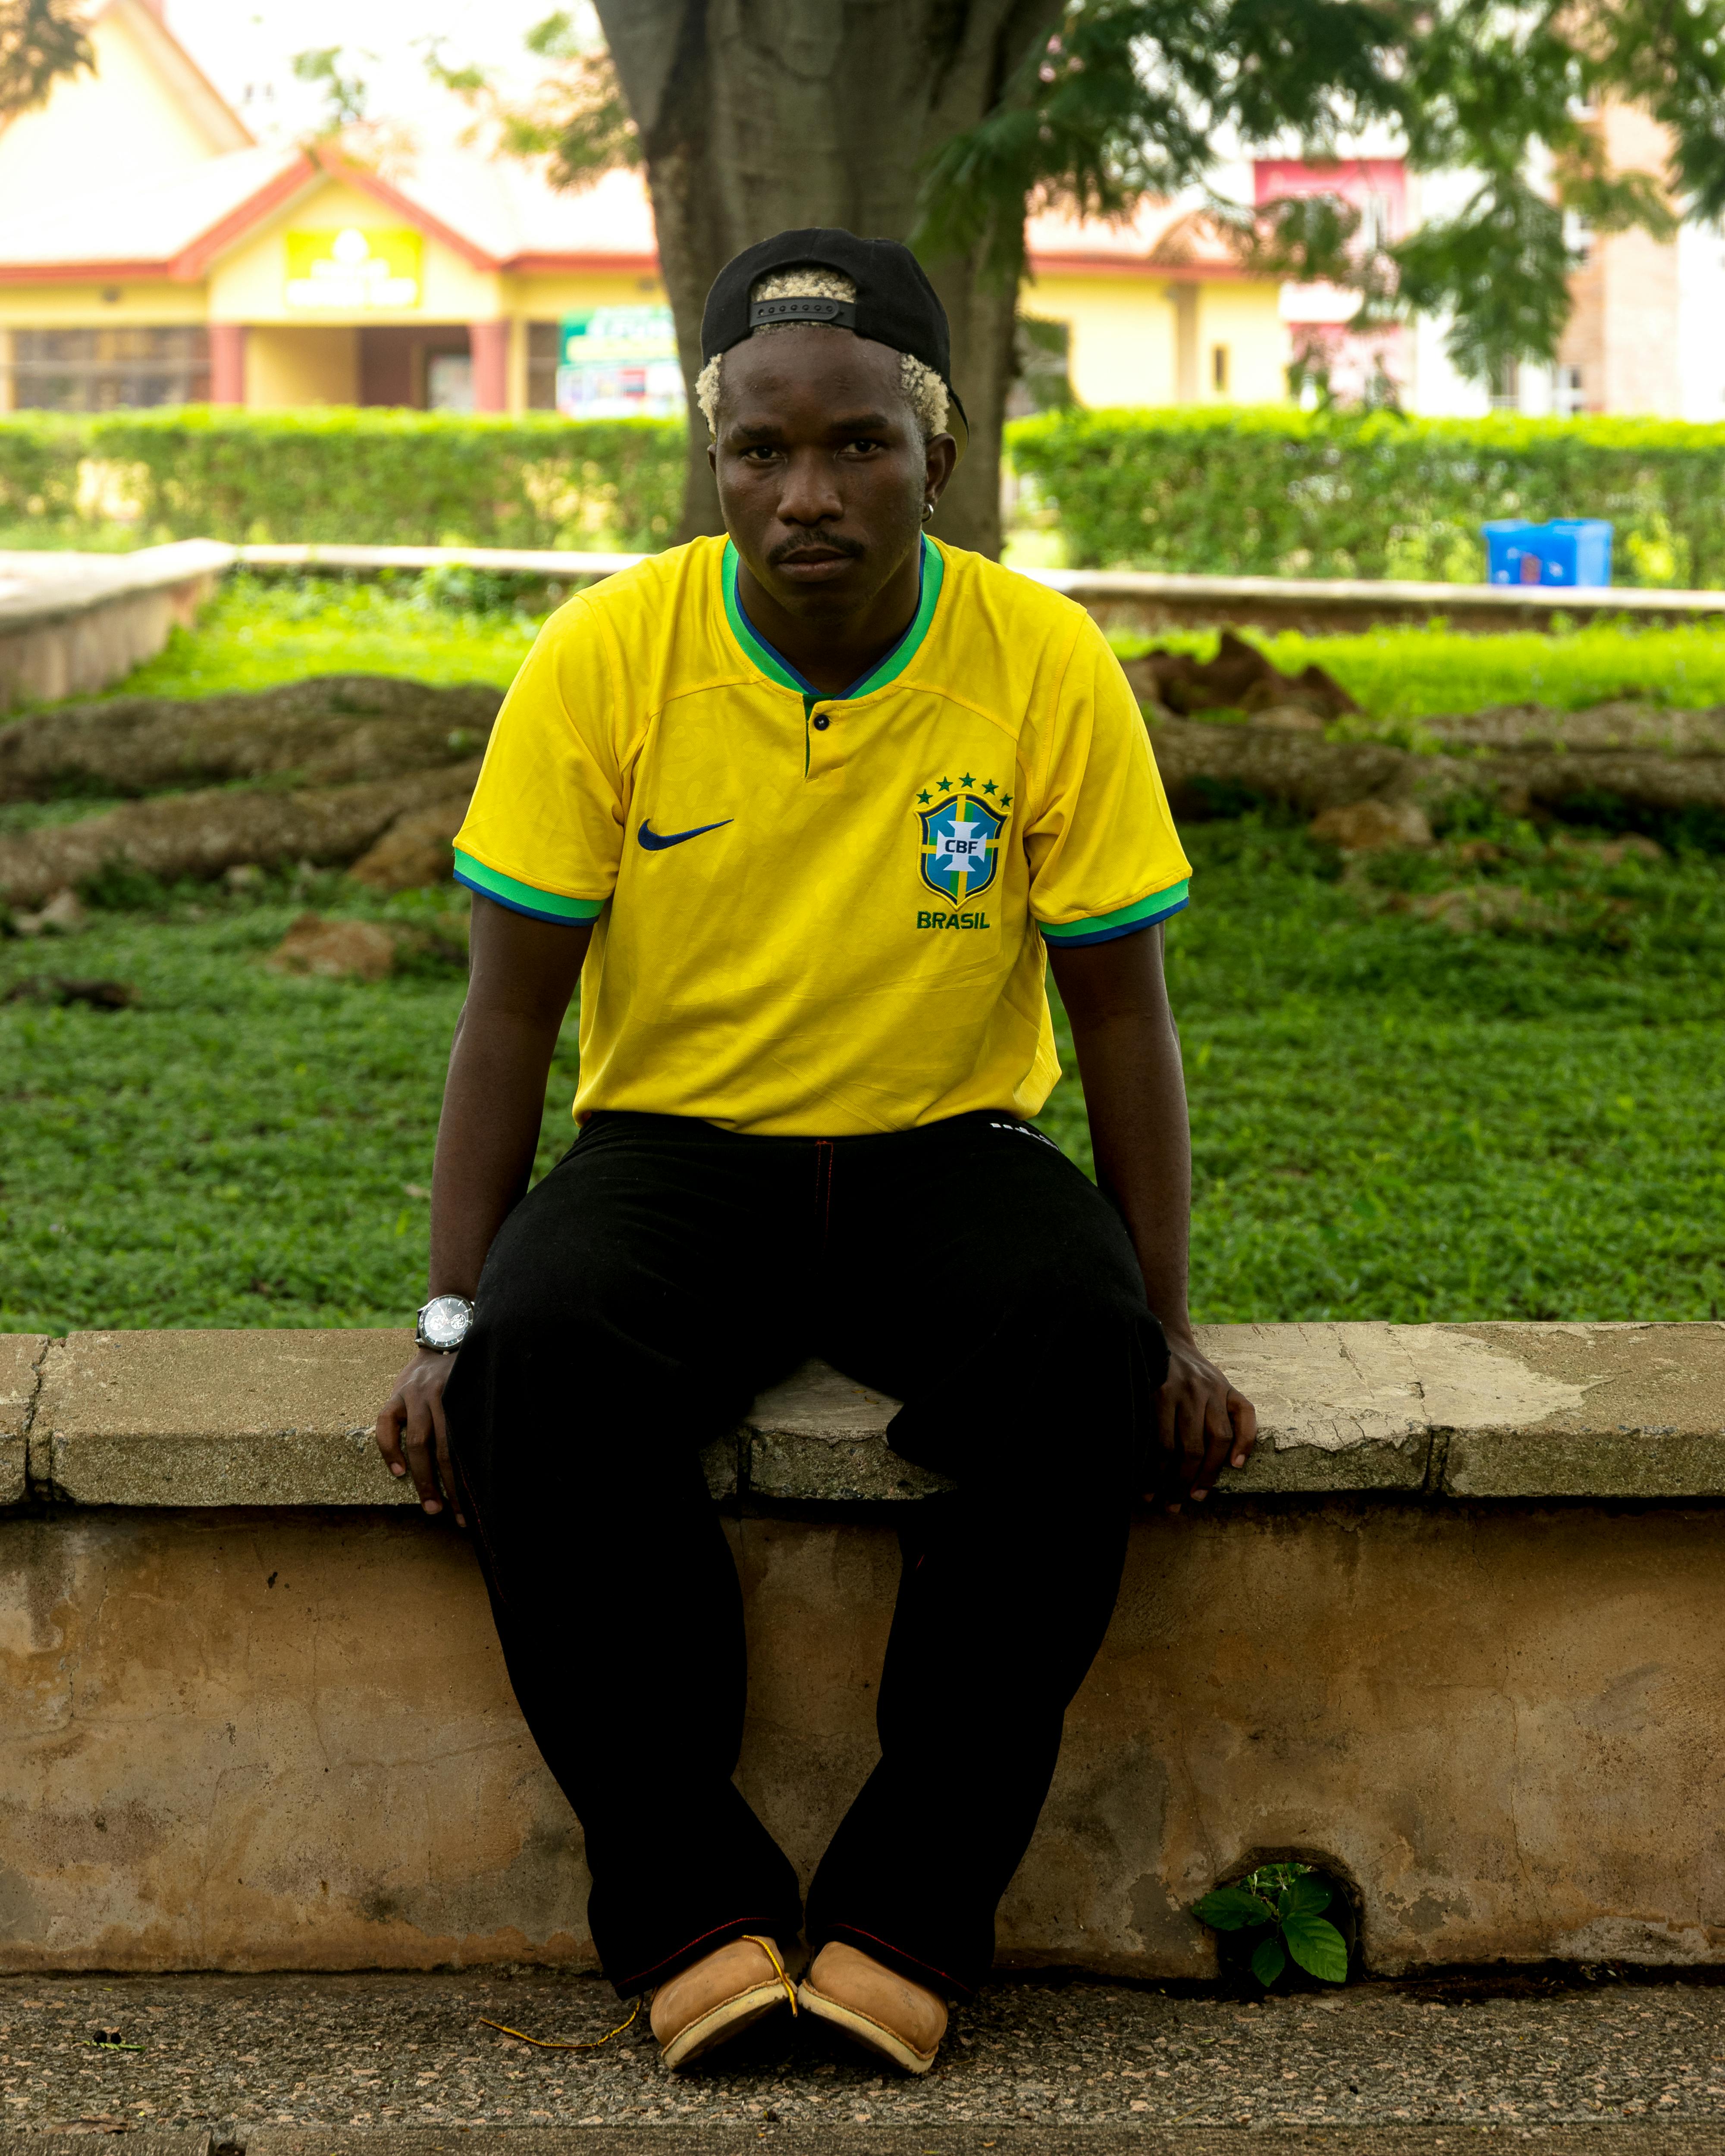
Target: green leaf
[1269,1962]
[1232,1909]
[1136,97]
[1303,1897]
[1318,1947]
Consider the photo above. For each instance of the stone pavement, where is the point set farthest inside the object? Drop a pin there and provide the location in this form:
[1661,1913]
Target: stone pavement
[317,2065]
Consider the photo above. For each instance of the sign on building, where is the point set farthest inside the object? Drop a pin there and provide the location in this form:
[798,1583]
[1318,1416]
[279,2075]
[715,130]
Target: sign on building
[352,271]
[619,363]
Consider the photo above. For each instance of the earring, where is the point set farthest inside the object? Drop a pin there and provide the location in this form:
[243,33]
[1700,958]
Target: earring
[928,511]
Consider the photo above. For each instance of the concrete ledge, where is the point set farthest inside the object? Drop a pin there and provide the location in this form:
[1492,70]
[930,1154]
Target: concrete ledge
[503,561]
[73,624]
[20,1354]
[1144,599]
[1134,598]
[255,1716]
[1458,1411]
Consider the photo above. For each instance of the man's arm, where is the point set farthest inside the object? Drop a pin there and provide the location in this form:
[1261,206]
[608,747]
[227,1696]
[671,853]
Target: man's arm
[1135,1093]
[523,973]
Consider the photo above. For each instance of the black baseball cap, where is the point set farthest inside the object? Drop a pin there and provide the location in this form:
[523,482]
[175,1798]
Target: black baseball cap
[895,305]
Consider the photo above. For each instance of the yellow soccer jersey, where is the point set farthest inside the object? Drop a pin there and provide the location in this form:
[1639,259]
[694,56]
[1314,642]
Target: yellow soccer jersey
[814,915]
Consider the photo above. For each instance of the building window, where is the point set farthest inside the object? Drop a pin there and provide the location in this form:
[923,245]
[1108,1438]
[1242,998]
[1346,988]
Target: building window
[543,340]
[1218,369]
[1567,400]
[1041,358]
[109,370]
[449,381]
[1506,386]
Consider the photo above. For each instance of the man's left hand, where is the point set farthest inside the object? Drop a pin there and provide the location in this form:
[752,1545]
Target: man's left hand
[1203,1423]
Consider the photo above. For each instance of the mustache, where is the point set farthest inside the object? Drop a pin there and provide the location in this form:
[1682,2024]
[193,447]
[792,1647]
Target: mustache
[814,542]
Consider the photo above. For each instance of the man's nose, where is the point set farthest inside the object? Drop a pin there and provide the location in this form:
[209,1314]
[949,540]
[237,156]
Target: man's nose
[810,494]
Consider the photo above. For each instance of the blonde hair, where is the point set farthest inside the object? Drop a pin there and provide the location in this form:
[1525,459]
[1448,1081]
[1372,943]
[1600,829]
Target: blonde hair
[924,390]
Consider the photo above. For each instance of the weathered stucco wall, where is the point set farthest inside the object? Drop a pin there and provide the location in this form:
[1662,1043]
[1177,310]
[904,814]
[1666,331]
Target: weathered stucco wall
[284,1739]
[277,1734]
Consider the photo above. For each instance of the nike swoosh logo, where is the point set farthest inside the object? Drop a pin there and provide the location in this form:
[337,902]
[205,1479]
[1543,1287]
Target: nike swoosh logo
[656,842]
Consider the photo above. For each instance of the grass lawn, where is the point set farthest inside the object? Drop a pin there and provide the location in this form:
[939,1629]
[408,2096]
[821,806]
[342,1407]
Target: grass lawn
[259,631]
[1391,1119]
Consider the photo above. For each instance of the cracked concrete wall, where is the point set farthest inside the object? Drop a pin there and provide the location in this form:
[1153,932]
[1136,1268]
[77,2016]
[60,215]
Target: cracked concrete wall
[283,1738]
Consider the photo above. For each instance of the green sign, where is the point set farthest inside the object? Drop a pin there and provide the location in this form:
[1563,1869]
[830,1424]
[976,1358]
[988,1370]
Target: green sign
[619,363]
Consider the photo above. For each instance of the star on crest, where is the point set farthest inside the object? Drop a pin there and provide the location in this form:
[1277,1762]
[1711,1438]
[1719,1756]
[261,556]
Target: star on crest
[991,788]
[966,780]
[944,784]
[925,795]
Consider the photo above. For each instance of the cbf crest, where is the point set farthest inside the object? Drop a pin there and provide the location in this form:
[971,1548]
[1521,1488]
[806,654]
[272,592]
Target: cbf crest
[962,837]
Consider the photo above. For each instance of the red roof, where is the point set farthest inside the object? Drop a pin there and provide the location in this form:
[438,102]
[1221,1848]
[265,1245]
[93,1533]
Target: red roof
[495,214]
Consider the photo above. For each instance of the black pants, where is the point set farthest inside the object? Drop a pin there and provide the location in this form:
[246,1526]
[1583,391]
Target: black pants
[631,1307]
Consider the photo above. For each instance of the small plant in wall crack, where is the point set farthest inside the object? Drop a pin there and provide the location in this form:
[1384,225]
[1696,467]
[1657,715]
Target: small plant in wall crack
[1285,1901]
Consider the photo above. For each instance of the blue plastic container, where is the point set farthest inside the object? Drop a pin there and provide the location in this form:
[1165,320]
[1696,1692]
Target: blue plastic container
[1574,552]
[1509,554]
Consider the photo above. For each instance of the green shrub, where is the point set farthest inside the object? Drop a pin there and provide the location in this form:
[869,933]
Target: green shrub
[361,478]
[1268,491]
[40,457]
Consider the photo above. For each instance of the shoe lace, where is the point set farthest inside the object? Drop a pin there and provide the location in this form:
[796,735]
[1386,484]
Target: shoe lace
[551,2044]
[771,1951]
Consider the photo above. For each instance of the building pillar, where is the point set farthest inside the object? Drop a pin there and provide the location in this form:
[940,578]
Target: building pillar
[227,363]
[489,344]
[1184,299]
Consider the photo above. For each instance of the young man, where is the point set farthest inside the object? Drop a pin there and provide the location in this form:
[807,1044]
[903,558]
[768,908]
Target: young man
[806,810]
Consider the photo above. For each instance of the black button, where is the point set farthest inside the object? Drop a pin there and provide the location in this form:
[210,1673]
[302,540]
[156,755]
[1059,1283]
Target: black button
[822,723]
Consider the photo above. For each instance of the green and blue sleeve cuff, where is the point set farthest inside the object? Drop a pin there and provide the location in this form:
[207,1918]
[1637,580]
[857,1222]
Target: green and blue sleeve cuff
[524,897]
[1104,928]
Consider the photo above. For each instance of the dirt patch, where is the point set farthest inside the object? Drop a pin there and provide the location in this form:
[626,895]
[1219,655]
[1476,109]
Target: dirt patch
[371,772]
[1210,769]
[1622,723]
[336,729]
[1239,678]
[1372,827]
[99,995]
[334,948]
[205,833]
[416,849]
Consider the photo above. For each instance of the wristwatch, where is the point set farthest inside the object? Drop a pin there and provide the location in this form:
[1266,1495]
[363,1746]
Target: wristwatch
[444,1323]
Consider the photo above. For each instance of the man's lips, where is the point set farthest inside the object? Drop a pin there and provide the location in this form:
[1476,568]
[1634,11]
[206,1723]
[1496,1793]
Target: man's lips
[813,554]
[817,562]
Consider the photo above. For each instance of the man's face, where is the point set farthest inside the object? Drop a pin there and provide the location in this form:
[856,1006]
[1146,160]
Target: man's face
[821,467]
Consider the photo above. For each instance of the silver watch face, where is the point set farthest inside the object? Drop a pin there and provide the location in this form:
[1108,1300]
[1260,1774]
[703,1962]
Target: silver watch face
[445,1321]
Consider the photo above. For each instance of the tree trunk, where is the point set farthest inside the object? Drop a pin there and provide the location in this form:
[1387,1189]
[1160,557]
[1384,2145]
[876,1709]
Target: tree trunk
[758,116]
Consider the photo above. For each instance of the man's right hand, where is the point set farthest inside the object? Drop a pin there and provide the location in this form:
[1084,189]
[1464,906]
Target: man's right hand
[412,1435]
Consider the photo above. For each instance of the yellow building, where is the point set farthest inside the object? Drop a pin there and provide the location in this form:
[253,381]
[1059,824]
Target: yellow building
[1157,310]
[151,252]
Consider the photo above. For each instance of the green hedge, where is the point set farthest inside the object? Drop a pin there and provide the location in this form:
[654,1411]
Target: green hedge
[1271,492]
[369,478]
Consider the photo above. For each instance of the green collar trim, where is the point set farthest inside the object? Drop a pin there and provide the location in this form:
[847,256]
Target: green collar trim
[887,669]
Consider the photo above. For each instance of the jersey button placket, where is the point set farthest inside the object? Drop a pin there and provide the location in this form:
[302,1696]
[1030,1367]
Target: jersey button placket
[824,736]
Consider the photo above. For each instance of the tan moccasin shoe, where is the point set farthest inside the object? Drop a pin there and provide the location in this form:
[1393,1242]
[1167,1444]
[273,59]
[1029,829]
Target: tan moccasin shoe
[718,1997]
[885,2014]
